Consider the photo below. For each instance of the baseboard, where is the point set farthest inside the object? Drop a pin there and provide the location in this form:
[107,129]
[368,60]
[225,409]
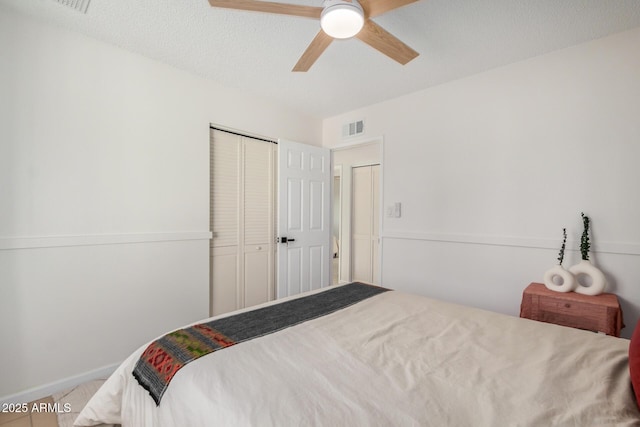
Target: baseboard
[57,386]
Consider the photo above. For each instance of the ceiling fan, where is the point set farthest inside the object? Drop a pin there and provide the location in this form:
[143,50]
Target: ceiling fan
[338,19]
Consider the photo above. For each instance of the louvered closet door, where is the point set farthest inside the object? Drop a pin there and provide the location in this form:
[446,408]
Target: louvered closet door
[259,235]
[225,221]
[242,209]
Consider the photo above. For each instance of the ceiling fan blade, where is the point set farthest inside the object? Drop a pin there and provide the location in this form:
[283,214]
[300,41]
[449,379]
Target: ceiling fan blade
[313,52]
[375,8]
[382,40]
[269,7]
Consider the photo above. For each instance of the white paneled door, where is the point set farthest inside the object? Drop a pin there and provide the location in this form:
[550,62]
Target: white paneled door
[304,234]
[365,224]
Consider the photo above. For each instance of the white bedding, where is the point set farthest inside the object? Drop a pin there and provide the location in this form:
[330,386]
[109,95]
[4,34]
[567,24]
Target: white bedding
[392,360]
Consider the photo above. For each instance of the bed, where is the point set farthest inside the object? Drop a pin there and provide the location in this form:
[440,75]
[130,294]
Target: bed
[390,359]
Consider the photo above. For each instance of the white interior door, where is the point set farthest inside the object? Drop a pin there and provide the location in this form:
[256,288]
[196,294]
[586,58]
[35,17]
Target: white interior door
[365,224]
[304,199]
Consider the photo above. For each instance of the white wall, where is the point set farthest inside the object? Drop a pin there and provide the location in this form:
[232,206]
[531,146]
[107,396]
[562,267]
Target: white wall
[490,168]
[104,205]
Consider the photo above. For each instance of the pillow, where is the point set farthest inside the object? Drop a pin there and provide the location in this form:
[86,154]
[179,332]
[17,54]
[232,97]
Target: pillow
[634,361]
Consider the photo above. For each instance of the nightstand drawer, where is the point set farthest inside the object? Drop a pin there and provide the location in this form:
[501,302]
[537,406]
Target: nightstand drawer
[574,314]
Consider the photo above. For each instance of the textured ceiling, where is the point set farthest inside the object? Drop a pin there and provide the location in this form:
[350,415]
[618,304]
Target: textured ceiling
[255,52]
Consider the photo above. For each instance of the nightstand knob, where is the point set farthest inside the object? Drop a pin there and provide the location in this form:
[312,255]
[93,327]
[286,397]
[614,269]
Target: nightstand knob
[567,305]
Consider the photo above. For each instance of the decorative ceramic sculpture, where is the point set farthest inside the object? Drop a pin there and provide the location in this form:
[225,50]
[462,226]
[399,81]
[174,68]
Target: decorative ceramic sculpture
[598,281]
[558,274]
[585,268]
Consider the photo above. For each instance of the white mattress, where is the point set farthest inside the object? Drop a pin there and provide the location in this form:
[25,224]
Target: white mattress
[392,360]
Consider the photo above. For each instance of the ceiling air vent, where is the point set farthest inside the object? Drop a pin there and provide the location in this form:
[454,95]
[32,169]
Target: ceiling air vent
[79,5]
[353,129]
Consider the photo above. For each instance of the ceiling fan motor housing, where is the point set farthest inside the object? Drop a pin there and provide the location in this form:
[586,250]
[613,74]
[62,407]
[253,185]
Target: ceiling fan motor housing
[342,19]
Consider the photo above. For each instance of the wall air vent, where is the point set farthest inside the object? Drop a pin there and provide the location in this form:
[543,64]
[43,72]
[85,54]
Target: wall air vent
[79,5]
[353,129]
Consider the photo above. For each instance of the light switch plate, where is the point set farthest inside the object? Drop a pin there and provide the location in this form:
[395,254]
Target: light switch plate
[397,209]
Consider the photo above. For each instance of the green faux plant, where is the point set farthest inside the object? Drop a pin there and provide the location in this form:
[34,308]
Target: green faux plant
[564,243]
[584,240]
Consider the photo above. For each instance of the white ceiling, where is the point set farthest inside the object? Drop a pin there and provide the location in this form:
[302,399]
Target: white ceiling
[255,52]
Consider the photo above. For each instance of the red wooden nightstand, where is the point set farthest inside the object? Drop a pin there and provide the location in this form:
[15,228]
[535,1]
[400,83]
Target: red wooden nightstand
[600,313]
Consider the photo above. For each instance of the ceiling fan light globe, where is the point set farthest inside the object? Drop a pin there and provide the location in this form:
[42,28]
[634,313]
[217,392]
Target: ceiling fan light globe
[342,19]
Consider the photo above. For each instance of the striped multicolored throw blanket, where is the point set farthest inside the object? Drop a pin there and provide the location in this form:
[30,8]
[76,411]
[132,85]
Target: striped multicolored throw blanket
[165,356]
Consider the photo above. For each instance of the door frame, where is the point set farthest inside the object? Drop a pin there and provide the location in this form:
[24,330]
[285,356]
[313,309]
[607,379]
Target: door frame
[359,143]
